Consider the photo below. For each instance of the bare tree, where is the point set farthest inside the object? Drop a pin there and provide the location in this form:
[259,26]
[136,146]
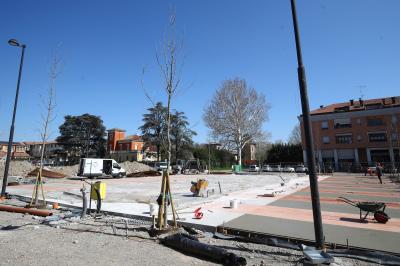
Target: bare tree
[295,135]
[47,116]
[167,57]
[236,114]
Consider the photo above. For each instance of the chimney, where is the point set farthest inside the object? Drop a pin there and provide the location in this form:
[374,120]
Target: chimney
[361,102]
[351,102]
[393,100]
[321,106]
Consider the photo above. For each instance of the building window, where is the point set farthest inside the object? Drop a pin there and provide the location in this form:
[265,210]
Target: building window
[359,138]
[394,136]
[375,122]
[358,121]
[342,123]
[377,137]
[325,139]
[324,125]
[344,139]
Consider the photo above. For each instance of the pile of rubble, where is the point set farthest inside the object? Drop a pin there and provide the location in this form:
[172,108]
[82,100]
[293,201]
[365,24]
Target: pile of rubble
[135,167]
[66,170]
[23,168]
[46,173]
[17,168]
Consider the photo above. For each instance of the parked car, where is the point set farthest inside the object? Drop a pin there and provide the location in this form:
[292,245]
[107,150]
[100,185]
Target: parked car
[161,166]
[254,168]
[301,169]
[276,168]
[371,170]
[266,168]
[288,169]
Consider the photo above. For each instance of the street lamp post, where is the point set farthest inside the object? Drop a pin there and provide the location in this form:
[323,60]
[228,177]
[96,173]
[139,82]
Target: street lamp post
[319,234]
[12,42]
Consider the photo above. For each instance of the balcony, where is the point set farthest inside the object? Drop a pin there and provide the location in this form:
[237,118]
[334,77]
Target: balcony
[337,125]
[377,137]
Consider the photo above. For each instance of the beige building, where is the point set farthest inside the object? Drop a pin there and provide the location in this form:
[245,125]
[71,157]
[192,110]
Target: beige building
[18,150]
[34,148]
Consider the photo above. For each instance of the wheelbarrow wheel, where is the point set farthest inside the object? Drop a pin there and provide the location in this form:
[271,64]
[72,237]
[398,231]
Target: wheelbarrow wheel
[381,217]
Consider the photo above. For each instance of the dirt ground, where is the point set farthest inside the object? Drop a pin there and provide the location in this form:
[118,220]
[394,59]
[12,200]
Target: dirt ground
[28,240]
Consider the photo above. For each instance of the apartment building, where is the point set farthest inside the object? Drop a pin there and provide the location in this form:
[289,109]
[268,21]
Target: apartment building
[34,148]
[357,132]
[124,148]
[18,150]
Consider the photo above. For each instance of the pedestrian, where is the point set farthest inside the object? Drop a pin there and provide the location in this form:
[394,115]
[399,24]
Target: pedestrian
[379,172]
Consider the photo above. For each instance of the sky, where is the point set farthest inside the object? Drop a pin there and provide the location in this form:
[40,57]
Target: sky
[350,50]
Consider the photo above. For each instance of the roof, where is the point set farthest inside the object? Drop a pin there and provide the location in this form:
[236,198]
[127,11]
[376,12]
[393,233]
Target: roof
[39,142]
[358,105]
[14,143]
[131,138]
[151,148]
[116,129]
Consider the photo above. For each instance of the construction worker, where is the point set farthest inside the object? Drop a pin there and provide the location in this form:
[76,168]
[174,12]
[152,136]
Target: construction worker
[379,172]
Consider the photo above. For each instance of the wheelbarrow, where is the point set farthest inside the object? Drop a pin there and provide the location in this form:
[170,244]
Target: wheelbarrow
[377,208]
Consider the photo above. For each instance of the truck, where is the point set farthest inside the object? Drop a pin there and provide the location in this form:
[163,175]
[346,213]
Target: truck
[94,167]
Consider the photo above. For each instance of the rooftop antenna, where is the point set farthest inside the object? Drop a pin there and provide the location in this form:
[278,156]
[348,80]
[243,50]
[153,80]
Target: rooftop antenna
[361,87]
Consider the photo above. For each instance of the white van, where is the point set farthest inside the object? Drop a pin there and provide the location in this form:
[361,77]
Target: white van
[92,167]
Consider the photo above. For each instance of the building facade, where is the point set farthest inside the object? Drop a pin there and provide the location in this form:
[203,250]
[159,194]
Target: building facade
[18,150]
[52,149]
[361,132]
[124,148]
[249,154]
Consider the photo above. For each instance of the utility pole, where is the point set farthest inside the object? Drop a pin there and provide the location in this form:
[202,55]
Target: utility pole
[319,234]
[12,42]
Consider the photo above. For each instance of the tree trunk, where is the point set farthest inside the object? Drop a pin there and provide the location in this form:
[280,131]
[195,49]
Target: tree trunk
[239,147]
[168,131]
[240,156]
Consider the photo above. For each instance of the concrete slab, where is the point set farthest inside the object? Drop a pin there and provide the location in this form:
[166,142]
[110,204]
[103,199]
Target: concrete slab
[371,239]
[291,216]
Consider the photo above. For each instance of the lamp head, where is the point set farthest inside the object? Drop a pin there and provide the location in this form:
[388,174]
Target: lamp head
[13,42]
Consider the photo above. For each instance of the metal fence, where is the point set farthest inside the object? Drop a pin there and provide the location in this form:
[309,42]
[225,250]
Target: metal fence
[329,167]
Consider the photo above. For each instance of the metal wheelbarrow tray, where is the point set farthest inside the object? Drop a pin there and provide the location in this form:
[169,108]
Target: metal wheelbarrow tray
[377,208]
